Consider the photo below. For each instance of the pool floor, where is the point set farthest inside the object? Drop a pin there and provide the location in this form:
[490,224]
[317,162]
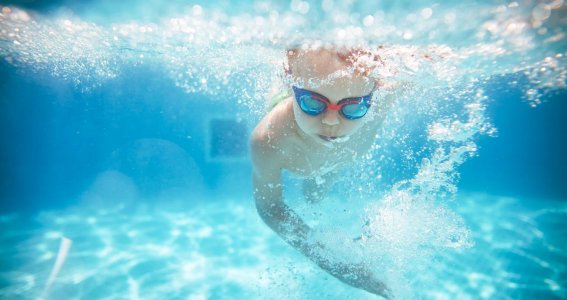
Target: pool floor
[222,250]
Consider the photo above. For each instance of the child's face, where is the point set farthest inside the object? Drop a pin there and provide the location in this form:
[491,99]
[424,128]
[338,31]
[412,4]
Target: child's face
[330,125]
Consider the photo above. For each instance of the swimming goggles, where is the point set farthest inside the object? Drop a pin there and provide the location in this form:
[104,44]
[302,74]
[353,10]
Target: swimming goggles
[314,104]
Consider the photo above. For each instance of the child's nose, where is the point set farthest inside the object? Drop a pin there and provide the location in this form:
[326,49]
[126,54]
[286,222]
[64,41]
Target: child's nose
[331,117]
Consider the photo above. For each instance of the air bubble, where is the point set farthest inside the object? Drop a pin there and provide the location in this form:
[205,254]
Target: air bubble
[197,10]
[426,13]
[368,21]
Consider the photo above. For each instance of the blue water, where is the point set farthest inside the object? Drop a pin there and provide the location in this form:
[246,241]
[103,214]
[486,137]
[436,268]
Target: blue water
[146,169]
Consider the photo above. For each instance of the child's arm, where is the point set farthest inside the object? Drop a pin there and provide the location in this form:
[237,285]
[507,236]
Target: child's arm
[267,184]
[267,187]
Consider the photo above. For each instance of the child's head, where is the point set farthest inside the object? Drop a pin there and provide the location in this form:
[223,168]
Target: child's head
[336,75]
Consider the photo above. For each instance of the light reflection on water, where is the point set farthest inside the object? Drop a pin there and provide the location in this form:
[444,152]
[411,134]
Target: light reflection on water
[224,251]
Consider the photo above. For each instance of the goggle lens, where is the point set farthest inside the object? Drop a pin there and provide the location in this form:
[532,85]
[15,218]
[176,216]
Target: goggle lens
[311,106]
[354,110]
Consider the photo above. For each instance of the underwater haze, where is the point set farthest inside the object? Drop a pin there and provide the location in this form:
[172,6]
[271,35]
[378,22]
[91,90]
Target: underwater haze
[126,173]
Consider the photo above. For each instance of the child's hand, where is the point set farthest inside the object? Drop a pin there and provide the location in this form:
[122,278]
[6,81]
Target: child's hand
[372,284]
[360,276]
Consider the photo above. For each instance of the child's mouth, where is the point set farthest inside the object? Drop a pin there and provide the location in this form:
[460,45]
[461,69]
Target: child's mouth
[332,138]
[327,138]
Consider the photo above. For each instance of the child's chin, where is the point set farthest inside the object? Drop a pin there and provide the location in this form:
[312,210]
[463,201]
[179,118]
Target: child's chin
[341,139]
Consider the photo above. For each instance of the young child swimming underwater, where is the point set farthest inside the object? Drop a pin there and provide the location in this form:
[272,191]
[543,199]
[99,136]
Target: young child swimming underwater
[328,118]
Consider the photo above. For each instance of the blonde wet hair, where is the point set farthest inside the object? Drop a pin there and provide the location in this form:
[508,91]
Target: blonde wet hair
[361,61]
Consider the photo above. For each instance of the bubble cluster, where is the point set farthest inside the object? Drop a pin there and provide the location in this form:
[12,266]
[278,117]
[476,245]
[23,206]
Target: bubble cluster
[204,47]
[71,49]
[545,77]
[454,130]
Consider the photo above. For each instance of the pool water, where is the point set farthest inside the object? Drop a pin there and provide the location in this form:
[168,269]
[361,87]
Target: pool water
[125,160]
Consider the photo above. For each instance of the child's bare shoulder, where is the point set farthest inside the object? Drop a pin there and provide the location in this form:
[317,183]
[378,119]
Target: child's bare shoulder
[271,137]
[275,127]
